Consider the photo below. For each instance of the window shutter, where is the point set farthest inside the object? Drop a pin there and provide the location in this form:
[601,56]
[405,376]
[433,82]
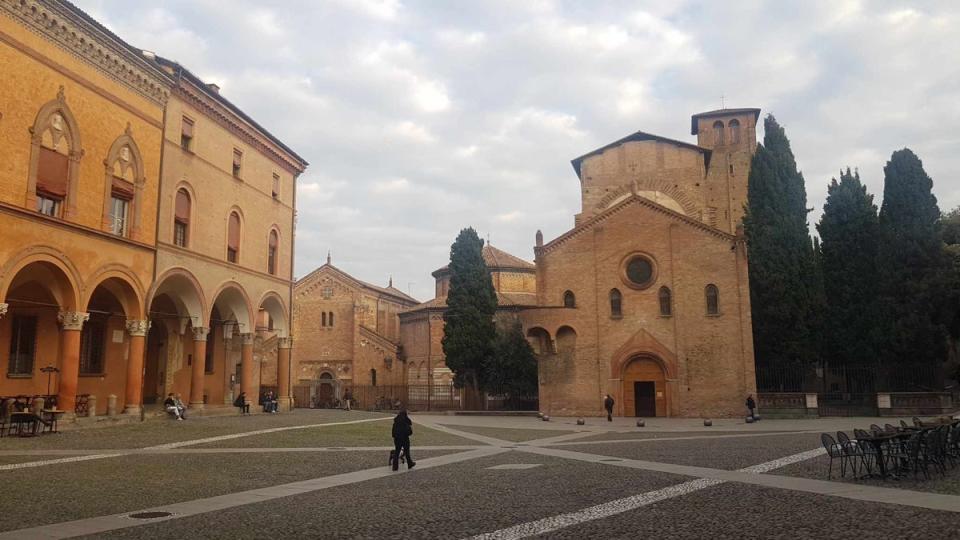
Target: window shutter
[52,172]
[122,189]
[186,127]
[183,207]
[233,242]
[237,157]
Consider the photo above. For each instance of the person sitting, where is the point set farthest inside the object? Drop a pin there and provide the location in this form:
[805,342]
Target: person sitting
[180,407]
[273,402]
[241,403]
[269,402]
[170,404]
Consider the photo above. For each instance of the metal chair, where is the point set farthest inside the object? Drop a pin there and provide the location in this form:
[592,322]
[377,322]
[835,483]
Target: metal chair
[917,422]
[889,428]
[903,424]
[834,451]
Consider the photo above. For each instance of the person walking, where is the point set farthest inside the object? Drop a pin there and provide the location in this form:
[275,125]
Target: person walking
[241,403]
[402,430]
[347,396]
[751,405]
[608,405]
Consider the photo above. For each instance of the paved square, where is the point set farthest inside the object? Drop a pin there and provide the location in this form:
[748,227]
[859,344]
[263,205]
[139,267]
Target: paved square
[325,474]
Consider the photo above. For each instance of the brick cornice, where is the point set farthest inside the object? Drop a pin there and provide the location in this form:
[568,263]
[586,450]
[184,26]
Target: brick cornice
[76,33]
[616,209]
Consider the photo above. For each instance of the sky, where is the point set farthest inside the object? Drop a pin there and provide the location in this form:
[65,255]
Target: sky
[422,118]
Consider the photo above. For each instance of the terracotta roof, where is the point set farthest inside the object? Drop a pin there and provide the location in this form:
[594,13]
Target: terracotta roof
[389,291]
[641,136]
[496,259]
[504,300]
[720,112]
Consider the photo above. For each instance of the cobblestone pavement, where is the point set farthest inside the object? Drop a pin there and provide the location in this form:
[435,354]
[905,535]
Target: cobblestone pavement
[315,476]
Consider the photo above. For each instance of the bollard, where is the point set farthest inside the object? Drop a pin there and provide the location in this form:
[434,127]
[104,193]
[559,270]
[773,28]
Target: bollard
[38,404]
[641,423]
[539,415]
[708,422]
[749,419]
[111,405]
[580,422]
[92,406]
[546,418]
[756,418]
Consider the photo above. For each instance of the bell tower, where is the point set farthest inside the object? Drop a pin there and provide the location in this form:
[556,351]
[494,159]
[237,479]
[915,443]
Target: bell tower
[731,136]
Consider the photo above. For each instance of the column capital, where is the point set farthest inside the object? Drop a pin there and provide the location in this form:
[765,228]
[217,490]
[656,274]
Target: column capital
[247,338]
[3,309]
[138,328]
[72,320]
[285,343]
[200,333]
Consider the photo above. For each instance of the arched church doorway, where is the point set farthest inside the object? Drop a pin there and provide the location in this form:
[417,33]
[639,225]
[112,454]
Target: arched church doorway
[644,388]
[325,390]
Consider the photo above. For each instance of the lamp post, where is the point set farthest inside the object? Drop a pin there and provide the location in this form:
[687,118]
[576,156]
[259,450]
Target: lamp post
[49,370]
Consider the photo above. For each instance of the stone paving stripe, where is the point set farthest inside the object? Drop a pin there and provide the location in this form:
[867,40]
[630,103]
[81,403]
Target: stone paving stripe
[102,454]
[465,434]
[619,506]
[599,511]
[268,450]
[514,466]
[102,524]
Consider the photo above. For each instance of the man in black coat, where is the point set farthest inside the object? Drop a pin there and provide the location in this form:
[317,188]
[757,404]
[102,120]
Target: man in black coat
[402,430]
[608,405]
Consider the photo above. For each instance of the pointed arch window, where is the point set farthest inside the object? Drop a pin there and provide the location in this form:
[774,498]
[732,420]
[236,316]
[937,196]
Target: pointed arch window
[54,160]
[373,377]
[734,131]
[569,300]
[712,294]
[233,238]
[718,133]
[323,319]
[181,218]
[124,180]
[666,301]
[272,253]
[616,303]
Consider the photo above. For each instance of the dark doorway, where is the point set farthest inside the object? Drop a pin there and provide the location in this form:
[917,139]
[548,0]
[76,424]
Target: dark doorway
[645,398]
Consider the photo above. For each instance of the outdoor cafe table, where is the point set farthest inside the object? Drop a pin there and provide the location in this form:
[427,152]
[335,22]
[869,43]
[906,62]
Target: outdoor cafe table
[877,440]
[20,419]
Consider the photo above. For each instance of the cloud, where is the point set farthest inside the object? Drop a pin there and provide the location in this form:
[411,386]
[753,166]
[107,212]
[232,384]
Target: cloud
[421,118]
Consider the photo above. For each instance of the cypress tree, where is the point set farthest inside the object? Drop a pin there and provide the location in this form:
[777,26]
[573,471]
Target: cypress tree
[512,370]
[782,268]
[911,264]
[469,329]
[849,231]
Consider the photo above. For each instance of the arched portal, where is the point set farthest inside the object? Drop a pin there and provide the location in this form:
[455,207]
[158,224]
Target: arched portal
[540,341]
[176,306]
[645,392]
[274,317]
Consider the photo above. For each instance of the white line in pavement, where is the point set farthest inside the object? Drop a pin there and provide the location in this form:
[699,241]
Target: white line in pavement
[684,438]
[127,452]
[626,504]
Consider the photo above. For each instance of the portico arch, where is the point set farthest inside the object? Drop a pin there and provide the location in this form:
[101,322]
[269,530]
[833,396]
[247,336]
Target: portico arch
[185,293]
[234,304]
[123,285]
[48,267]
[273,304]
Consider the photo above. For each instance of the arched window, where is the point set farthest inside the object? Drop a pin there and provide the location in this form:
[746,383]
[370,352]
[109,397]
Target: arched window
[124,180]
[735,131]
[181,218]
[233,238]
[718,133]
[666,303]
[272,253]
[569,300]
[330,318]
[323,319]
[713,299]
[616,303]
[373,377]
[54,160]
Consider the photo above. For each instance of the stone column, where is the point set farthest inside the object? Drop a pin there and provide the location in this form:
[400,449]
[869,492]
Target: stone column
[71,323]
[283,373]
[137,329]
[246,370]
[197,371]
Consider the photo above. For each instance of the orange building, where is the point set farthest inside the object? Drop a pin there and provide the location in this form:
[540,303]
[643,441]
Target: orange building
[89,168]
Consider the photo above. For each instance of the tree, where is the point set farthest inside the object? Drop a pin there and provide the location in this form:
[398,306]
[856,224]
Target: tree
[911,264]
[849,233]
[783,290]
[469,329]
[512,370]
